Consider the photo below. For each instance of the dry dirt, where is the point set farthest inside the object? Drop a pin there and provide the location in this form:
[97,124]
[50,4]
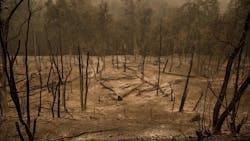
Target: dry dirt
[141,115]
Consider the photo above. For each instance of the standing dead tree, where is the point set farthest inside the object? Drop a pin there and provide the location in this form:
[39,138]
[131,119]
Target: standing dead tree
[117,55]
[80,66]
[86,82]
[65,81]
[39,70]
[27,66]
[159,60]
[59,83]
[184,96]
[53,88]
[63,78]
[4,25]
[60,89]
[125,58]
[8,68]
[172,44]
[98,64]
[56,61]
[165,66]
[144,23]
[218,120]
[233,125]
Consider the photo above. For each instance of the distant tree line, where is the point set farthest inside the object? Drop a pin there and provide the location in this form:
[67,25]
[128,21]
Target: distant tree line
[133,29]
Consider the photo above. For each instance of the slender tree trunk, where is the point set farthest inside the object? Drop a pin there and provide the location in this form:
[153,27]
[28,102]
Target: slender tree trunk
[165,66]
[218,63]
[217,123]
[59,99]
[235,108]
[125,58]
[4,43]
[86,82]
[143,66]
[81,77]
[27,69]
[125,63]
[104,62]
[113,61]
[98,64]
[3,93]
[159,60]
[117,61]
[54,99]
[172,58]
[184,96]
[232,104]
[40,75]
[61,53]
[10,75]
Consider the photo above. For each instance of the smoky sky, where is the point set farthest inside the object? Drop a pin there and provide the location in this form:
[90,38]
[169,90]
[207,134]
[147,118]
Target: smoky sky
[223,3]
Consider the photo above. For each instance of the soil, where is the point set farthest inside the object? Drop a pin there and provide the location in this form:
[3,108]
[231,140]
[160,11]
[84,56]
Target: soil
[139,114]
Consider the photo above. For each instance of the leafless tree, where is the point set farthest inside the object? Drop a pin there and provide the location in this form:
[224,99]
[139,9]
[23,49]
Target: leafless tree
[80,66]
[8,67]
[86,82]
[218,120]
[159,59]
[184,96]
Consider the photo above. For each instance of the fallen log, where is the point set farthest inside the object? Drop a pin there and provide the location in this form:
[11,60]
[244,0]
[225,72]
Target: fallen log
[145,81]
[119,78]
[84,133]
[116,97]
[132,90]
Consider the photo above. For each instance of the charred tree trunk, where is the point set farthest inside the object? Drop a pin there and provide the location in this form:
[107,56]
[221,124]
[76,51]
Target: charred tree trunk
[143,66]
[217,123]
[39,69]
[98,64]
[125,63]
[165,66]
[184,96]
[27,69]
[113,61]
[232,104]
[54,98]
[59,83]
[125,59]
[235,109]
[172,57]
[8,68]
[62,73]
[4,33]
[117,55]
[59,99]
[86,82]
[159,60]
[81,77]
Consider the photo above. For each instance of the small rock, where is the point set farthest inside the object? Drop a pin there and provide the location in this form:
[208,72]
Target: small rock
[119,98]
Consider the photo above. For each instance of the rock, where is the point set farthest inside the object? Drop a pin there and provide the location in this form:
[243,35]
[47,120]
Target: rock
[119,98]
